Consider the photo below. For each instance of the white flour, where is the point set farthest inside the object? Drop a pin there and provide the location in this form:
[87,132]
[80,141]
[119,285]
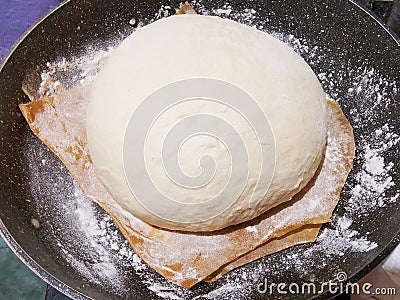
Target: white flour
[80,70]
[344,239]
[372,182]
[94,232]
[374,179]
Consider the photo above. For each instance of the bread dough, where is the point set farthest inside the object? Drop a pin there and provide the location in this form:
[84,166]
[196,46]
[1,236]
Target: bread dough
[193,46]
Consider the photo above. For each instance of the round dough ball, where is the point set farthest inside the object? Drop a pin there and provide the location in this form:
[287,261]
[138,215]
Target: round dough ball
[180,184]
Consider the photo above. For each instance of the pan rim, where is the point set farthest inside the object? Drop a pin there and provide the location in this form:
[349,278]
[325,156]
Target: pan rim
[379,21]
[16,44]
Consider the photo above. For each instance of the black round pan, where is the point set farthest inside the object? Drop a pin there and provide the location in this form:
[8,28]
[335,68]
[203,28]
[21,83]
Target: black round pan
[349,40]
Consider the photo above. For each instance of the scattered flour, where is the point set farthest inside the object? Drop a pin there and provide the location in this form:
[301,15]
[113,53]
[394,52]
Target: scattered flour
[76,71]
[343,238]
[373,181]
[101,240]
[94,235]
[163,291]
[252,229]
